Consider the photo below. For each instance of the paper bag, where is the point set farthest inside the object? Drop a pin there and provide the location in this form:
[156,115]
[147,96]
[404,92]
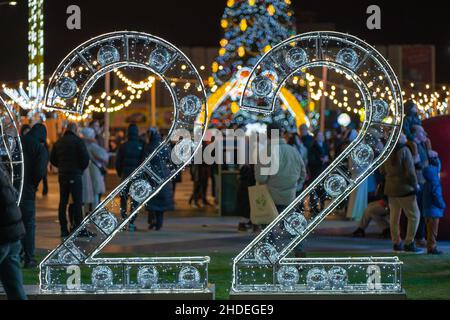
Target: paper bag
[262,207]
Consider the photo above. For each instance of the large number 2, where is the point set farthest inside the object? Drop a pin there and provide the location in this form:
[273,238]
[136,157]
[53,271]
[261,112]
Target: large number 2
[73,265]
[264,265]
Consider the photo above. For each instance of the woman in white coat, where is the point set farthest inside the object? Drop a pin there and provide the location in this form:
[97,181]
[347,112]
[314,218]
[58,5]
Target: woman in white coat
[93,177]
[358,198]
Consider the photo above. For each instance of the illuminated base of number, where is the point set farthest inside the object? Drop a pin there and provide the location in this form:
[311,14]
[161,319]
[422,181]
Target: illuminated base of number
[34,293]
[317,296]
[320,277]
[127,276]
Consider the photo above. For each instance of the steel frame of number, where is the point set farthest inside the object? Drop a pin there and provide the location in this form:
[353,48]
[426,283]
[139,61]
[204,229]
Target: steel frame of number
[73,267]
[12,155]
[264,266]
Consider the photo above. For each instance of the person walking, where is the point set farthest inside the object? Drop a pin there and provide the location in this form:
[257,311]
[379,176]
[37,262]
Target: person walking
[12,230]
[357,202]
[199,175]
[421,146]
[306,137]
[295,140]
[129,157]
[71,157]
[98,129]
[290,171]
[400,187]
[45,177]
[246,179]
[35,165]
[317,162]
[24,130]
[318,156]
[99,158]
[411,119]
[433,205]
[163,201]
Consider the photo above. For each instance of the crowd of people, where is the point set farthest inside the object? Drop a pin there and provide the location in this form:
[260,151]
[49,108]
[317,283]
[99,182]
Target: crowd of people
[82,162]
[314,152]
[407,182]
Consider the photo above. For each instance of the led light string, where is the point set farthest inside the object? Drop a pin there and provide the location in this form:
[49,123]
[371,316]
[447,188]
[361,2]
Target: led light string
[116,101]
[429,103]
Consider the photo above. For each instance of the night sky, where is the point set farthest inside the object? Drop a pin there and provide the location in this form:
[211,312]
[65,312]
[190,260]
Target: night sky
[196,23]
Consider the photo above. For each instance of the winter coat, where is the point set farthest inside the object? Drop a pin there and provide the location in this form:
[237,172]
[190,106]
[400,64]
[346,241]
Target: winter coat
[163,201]
[88,189]
[315,164]
[433,204]
[308,141]
[129,155]
[358,199]
[410,120]
[99,158]
[11,225]
[35,160]
[302,149]
[400,174]
[282,183]
[70,155]
[422,152]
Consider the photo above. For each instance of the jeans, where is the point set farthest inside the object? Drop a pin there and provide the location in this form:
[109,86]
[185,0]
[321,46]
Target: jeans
[45,184]
[421,233]
[10,273]
[300,247]
[70,185]
[28,209]
[197,193]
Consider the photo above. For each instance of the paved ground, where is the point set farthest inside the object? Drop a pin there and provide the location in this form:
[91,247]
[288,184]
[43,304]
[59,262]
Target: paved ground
[202,230]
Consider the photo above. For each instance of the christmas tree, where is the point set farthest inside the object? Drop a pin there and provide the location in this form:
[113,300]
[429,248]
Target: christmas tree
[251,28]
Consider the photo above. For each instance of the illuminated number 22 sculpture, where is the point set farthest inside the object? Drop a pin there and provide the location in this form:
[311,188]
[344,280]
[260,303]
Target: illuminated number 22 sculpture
[264,266]
[73,265]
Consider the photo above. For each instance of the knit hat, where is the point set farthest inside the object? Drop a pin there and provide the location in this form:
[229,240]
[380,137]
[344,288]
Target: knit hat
[88,133]
[408,106]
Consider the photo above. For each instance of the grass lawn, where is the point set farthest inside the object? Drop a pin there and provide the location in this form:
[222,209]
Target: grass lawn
[424,276]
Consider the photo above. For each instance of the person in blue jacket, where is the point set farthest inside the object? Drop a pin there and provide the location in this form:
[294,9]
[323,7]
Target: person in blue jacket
[433,204]
[163,201]
[411,119]
[129,158]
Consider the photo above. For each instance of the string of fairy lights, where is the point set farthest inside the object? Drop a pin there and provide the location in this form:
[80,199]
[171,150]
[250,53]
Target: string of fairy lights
[429,102]
[119,99]
[113,102]
[116,101]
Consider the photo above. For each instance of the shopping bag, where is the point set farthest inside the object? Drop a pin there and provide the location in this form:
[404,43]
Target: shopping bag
[262,207]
